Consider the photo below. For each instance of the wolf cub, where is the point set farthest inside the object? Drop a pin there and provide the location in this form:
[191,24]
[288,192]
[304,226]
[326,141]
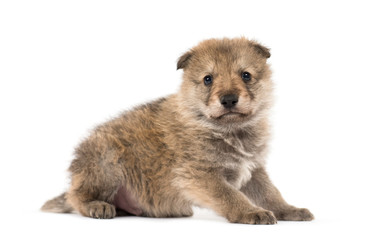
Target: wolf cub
[205,145]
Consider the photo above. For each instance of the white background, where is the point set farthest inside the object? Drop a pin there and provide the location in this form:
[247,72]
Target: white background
[66,66]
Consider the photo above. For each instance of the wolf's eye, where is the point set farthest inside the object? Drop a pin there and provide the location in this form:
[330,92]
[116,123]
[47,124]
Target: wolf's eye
[208,79]
[246,76]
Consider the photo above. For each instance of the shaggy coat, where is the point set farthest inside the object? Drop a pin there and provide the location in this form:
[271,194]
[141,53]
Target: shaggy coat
[205,145]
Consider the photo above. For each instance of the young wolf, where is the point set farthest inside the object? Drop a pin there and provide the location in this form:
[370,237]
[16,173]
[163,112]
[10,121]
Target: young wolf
[203,146]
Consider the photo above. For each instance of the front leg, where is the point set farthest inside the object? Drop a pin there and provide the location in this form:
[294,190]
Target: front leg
[210,190]
[263,193]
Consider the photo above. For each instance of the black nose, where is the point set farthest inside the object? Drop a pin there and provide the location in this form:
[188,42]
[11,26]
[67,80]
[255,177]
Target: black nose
[229,100]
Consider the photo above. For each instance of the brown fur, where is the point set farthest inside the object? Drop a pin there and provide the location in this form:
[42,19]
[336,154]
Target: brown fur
[187,149]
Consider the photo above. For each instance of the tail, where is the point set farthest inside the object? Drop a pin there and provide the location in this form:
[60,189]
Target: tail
[58,205]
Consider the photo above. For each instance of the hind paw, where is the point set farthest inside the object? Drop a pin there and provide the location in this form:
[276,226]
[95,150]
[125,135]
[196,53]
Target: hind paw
[100,209]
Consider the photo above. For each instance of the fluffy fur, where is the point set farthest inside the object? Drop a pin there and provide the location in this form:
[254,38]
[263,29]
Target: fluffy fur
[160,159]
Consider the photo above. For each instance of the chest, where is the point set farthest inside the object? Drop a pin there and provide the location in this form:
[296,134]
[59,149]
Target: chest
[239,174]
[238,157]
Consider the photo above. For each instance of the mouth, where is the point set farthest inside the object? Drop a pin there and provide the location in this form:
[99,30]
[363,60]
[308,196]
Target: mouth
[232,115]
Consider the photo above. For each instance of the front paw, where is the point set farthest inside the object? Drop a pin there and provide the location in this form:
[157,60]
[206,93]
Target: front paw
[254,217]
[294,214]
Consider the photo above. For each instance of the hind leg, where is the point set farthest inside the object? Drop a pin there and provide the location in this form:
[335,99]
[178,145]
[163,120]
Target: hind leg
[100,209]
[91,197]
[96,174]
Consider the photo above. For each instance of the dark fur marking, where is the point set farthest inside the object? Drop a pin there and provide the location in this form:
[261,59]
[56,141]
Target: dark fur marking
[230,174]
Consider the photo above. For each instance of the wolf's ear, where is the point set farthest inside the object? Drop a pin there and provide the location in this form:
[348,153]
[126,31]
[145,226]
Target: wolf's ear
[183,60]
[260,49]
